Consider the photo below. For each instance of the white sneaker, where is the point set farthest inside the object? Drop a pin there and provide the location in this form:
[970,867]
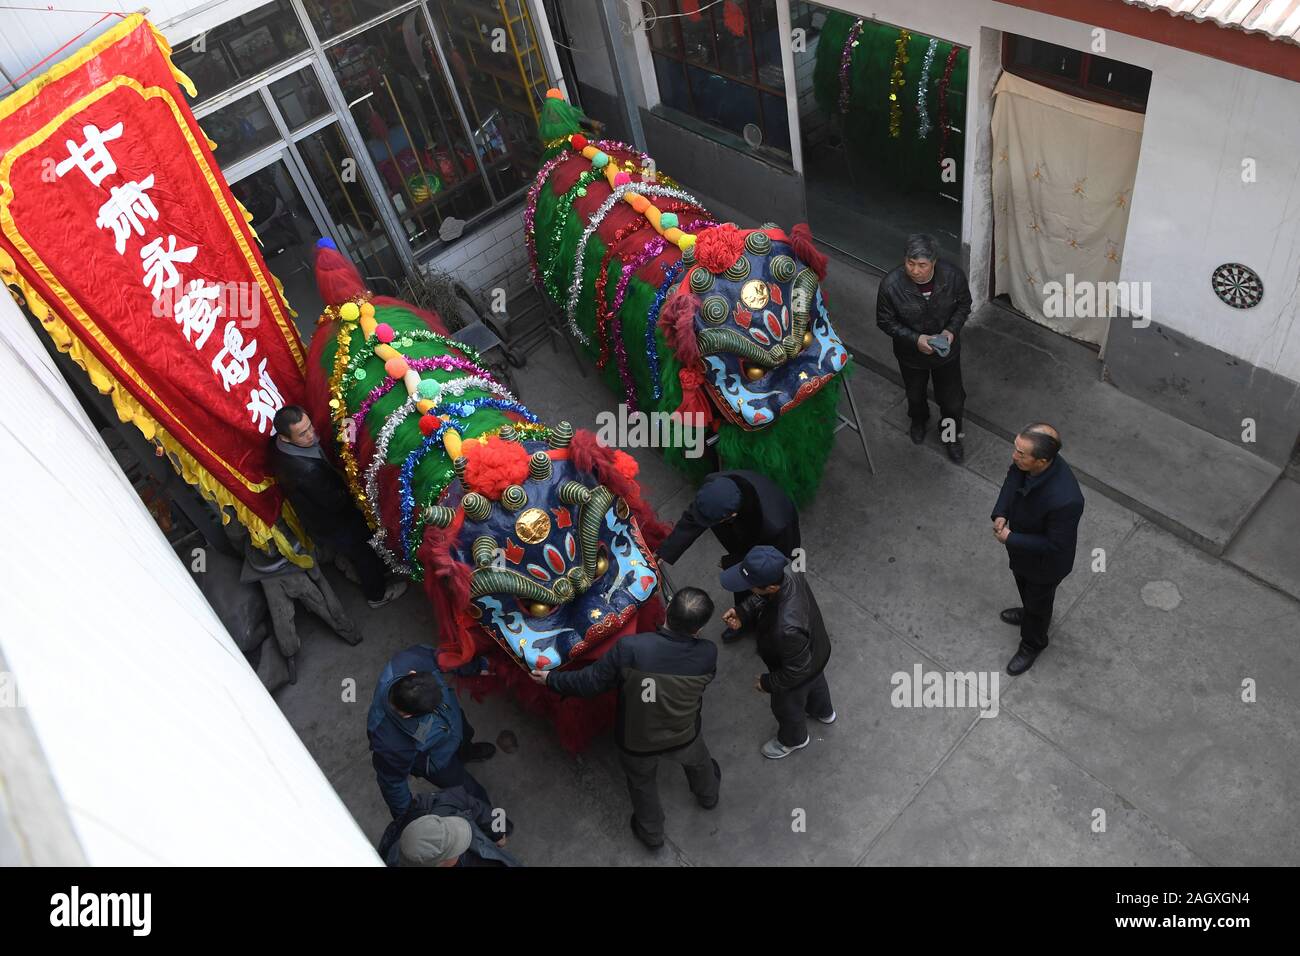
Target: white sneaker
[827,720]
[775,750]
[396,589]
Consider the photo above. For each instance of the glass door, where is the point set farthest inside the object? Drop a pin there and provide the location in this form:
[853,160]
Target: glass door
[288,229]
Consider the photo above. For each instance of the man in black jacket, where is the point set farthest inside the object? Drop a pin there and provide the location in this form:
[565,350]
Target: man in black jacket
[1037,518]
[661,679]
[922,306]
[489,830]
[742,509]
[791,640]
[320,498]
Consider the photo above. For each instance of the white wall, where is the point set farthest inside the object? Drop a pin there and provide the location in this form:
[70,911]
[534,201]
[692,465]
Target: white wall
[1191,211]
[162,741]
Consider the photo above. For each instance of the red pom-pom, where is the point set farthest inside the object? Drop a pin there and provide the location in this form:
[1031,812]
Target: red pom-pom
[493,467]
[802,241]
[384,332]
[622,179]
[718,248]
[579,141]
[734,18]
[626,465]
[429,424]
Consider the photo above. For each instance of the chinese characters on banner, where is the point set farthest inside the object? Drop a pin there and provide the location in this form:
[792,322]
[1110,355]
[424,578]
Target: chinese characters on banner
[119,229]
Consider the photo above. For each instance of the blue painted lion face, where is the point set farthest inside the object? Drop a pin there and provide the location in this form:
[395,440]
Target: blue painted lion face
[764,332]
[559,563]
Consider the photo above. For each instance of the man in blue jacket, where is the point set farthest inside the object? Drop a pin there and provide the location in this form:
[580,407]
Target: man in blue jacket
[488,831]
[1037,518]
[416,726]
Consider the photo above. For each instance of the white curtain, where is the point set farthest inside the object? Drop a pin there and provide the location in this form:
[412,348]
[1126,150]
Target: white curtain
[1063,173]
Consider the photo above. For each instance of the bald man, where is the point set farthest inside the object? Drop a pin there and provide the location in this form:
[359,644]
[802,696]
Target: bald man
[1037,519]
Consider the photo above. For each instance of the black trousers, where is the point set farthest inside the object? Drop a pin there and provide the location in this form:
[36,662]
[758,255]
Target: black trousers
[1037,598]
[643,788]
[454,773]
[948,391]
[792,708]
[352,541]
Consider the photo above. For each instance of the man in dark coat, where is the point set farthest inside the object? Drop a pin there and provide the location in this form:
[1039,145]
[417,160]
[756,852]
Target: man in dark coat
[791,640]
[922,306]
[1037,518]
[416,726]
[489,831]
[742,509]
[661,679]
[320,498]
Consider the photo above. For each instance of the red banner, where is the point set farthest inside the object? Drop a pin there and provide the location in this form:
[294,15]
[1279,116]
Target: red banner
[118,227]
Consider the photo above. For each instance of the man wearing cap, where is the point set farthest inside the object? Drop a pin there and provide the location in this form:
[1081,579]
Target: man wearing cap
[661,679]
[791,639]
[448,828]
[742,509]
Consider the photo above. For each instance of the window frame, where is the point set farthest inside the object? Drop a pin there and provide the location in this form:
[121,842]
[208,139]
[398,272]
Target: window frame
[752,83]
[1077,85]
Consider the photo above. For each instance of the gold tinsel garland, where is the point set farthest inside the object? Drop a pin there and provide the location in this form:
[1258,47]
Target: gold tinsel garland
[896,83]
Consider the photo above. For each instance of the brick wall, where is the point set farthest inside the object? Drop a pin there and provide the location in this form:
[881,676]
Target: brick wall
[484,258]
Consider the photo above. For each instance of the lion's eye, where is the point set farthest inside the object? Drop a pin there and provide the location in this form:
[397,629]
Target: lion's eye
[753,372]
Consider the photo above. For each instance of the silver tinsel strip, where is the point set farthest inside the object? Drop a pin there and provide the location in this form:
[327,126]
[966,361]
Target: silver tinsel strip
[455,388]
[615,197]
[923,125]
[372,481]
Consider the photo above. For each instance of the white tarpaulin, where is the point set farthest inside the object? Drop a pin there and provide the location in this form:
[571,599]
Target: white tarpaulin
[160,738]
[1063,173]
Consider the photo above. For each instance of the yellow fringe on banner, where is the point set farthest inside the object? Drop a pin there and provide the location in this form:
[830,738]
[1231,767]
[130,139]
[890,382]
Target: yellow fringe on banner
[129,409]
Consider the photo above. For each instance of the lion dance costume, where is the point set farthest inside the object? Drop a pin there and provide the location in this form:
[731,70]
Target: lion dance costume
[685,314]
[532,541]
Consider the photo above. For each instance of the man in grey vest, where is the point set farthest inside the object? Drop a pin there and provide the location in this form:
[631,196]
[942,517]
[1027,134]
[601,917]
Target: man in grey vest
[661,679]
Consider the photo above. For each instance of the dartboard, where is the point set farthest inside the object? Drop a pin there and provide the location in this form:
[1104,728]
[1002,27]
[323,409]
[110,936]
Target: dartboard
[1237,285]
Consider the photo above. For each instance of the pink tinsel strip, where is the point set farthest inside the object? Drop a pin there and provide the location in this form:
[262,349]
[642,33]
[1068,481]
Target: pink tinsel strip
[530,212]
[445,363]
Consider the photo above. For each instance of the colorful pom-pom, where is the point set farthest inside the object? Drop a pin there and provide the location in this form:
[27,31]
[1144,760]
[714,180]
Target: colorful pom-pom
[430,389]
[349,312]
[668,220]
[622,179]
[600,160]
[579,141]
[396,367]
[325,242]
[384,332]
[554,94]
[429,424]
[687,241]
[639,203]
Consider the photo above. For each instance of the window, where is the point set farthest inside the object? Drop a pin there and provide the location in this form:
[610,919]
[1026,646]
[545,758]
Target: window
[1079,74]
[300,98]
[240,129]
[721,63]
[391,79]
[240,49]
[333,17]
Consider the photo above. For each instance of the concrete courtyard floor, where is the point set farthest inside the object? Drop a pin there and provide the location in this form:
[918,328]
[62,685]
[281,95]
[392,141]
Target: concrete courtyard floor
[1136,709]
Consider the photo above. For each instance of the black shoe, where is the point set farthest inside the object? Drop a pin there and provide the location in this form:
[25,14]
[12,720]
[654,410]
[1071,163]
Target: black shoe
[917,431]
[956,452]
[478,752]
[1013,616]
[639,832]
[710,804]
[1021,662]
[731,635]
